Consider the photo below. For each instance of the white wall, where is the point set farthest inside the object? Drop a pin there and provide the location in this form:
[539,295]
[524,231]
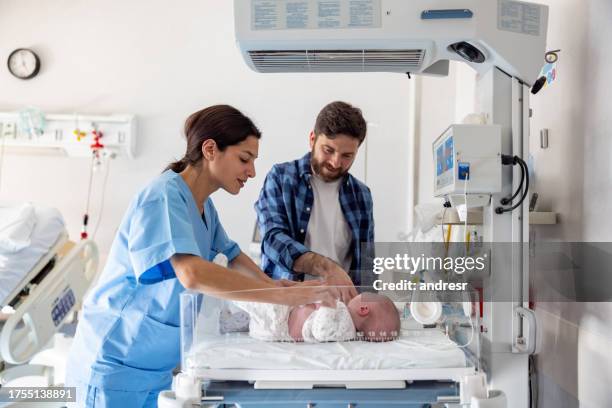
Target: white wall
[559,108]
[162,62]
[574,176]
[597,113]
[437,98]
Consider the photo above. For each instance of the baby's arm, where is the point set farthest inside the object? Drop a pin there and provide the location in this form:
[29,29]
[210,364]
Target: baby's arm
[297,317]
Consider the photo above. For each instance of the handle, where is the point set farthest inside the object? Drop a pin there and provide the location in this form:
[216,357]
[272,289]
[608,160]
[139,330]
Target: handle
[446,14]
[522,345]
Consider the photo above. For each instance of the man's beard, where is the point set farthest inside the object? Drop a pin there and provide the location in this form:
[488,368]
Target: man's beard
[318,166]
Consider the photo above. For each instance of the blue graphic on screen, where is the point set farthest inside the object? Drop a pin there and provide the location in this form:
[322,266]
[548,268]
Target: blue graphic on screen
[444,157]
[448,153]
[440,160]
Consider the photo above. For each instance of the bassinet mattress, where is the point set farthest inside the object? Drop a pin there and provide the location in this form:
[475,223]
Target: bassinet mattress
[414,349]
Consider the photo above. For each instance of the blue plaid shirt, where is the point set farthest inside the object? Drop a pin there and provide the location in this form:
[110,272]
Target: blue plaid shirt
[283,214]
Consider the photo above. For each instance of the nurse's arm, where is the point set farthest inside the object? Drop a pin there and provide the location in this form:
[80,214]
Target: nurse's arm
[246,265]
[200,275]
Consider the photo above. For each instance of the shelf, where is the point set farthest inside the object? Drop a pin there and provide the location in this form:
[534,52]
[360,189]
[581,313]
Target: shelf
[452,218]
[542,218]
[475,217]
[119,134]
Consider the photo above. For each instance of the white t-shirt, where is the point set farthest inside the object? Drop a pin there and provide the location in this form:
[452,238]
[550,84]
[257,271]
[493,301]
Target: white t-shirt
[328,233]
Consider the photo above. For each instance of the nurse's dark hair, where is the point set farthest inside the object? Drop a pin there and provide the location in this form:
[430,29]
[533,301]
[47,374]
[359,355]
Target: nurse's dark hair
[224,124]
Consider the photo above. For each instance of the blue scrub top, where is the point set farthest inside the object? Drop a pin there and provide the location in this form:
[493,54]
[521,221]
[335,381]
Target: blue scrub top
[128,334]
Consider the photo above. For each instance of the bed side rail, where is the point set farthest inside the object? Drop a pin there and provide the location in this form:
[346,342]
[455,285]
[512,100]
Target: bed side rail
[49,304]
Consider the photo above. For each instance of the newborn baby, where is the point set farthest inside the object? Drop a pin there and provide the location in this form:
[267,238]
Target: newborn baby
[369,317]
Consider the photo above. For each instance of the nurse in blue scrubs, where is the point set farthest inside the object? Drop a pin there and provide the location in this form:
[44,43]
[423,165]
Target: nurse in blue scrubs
[127,340]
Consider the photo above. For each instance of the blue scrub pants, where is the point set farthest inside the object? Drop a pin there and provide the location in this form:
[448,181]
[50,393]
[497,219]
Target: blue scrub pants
[88,396]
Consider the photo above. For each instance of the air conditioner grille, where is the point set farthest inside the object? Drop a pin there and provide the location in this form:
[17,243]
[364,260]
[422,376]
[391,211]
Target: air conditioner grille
[338,60]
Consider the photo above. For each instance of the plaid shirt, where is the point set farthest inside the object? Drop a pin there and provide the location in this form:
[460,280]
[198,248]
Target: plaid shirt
[283,212]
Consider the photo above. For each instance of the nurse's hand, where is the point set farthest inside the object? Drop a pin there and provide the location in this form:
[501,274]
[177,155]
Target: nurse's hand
[314,291]
[203,276]
[284,283]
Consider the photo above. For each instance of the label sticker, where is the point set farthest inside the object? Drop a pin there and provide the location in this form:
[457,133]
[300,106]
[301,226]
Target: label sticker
[519,17]
[314,14]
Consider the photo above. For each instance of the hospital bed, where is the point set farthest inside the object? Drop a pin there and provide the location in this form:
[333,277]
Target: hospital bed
[425,365]
[41,285]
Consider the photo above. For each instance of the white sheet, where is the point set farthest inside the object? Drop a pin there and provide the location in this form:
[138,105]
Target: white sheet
[16,226]
[415,349]
[14,267]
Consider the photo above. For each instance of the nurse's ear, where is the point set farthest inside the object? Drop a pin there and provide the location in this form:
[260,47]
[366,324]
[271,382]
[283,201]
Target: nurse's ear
[209,149]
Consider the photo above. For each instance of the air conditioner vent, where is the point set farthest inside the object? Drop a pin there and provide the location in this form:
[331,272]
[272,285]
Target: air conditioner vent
[337,60]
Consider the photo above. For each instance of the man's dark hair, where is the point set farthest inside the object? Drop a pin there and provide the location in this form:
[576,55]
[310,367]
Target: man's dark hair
[340,118]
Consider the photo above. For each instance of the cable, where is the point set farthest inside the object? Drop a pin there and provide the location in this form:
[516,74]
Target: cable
[89,185]
[526,170]
[533,382]
[465,197]
[101,207]
[442,224]
[446,237]
[551,56]
[506,201]
[521,162]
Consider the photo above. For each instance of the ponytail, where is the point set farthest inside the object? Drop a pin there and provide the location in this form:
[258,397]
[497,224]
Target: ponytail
[177,166]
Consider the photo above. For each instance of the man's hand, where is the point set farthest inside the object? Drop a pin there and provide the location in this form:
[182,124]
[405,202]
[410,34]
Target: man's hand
[331,273]
[335,276]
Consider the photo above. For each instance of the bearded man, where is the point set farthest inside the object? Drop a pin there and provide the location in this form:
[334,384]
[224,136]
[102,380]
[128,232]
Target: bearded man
[314,217]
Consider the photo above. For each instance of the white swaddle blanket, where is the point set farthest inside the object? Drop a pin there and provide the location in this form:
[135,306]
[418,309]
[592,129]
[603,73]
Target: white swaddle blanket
[327,324]
[270,322]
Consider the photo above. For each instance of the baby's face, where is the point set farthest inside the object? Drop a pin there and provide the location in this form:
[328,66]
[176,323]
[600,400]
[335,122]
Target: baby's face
[375,316]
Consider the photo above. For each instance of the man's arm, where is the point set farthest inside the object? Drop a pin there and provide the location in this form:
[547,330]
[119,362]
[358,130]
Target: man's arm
[312,263]
[281,248]
[366,267]
[370,218]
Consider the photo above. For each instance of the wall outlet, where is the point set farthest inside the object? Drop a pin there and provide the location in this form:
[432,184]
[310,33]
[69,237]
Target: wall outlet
[9,130]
